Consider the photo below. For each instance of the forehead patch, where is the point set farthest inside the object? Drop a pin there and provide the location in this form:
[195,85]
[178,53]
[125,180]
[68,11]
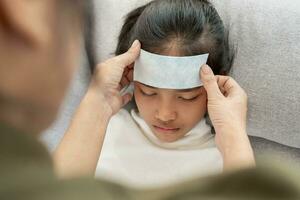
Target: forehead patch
[169,72]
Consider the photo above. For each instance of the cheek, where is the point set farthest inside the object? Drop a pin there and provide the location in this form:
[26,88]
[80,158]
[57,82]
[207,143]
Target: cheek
[194,112]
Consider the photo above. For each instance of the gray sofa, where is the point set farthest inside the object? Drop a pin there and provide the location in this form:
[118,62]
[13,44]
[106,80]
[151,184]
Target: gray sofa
[267,65]
[267,36]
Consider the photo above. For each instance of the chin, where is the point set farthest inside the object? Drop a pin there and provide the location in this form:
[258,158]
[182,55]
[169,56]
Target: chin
[169,140]
[166,138]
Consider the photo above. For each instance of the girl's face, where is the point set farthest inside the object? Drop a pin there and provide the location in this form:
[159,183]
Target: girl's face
[170,114]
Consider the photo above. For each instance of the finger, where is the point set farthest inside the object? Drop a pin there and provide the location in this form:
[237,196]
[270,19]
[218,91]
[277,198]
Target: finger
[120,87]
[209,82]
[127,77]
[124,81]
[126,70]
[231,87]
[131,66]
[222,89]
[130,75]
[126,98]
[127,59]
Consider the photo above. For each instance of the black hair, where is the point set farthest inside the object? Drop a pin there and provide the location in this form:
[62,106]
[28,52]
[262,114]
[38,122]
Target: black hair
[193,27]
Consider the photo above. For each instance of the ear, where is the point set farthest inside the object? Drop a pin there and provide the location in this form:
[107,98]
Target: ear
[26,20]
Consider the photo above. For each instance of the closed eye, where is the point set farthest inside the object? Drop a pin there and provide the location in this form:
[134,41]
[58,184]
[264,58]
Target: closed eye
[190,99]
[147,94]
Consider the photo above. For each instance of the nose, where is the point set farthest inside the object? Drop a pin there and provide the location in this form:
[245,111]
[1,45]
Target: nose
[165,112]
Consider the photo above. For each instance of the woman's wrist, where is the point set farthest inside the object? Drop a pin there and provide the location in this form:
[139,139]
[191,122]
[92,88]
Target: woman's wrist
[96,99]
[234,140]
[239,159]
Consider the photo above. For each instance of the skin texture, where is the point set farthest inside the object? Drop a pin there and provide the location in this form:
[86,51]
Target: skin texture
[37,61]
[79,151]
[227,108]
[170,114]
[38,55]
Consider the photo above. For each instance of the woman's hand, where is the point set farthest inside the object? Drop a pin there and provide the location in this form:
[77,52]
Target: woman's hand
[79,150]
[112,76]
[227,108]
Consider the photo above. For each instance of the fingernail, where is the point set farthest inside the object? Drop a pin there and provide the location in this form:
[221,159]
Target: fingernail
[206,69]
[135,44]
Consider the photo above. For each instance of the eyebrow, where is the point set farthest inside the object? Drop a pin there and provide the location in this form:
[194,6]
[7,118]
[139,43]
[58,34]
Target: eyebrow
[181,90]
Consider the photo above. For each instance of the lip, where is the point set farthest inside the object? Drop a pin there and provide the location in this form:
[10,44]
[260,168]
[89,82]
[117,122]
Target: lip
[165,129]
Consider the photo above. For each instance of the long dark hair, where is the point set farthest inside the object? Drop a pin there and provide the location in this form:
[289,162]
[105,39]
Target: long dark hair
[192,26]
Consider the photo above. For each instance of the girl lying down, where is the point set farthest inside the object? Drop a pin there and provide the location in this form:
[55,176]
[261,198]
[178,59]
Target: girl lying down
[166,138]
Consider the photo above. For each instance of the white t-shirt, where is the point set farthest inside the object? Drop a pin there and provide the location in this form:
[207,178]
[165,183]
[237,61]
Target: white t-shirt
[132,155]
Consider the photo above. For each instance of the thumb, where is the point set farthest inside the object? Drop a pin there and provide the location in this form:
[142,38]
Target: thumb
[126,98]
[131,55]
[209,82]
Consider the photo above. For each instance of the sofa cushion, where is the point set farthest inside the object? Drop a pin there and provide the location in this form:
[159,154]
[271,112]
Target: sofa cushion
[267,37]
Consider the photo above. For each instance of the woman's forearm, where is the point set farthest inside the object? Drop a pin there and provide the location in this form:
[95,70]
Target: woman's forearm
[79,150]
